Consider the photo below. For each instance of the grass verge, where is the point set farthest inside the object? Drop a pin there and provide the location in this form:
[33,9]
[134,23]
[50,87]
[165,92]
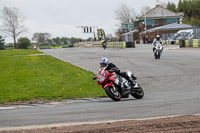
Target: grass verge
[25,76]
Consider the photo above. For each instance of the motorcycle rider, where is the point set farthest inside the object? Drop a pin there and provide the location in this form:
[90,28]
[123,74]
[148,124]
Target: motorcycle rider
[156,41]
[103,42]
[113,68]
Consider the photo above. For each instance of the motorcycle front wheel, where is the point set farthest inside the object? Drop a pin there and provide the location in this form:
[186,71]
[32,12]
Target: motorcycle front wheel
[113,94]
[159,55]
[156,55]
[138,93]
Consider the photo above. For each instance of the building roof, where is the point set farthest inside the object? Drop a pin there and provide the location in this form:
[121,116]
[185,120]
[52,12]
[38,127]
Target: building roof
[160,11]
[173,26]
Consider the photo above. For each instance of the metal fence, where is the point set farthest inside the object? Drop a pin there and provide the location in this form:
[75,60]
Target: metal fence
[196,32]
[121,44]
[195,43]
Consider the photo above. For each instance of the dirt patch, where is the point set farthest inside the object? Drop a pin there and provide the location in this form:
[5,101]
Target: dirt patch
[180,124]
[33,101]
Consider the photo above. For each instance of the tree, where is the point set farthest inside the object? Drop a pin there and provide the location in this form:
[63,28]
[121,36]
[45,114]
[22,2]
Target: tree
[125,14]
[13,24]
[163,4]
[41,38]
[180,6]
[23,42]
[2,43]
[191,11]
[144,10]
[56,40]
[171,7]
[74,40]
[64,40]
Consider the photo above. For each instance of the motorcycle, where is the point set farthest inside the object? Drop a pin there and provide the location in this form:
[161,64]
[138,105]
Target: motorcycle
[104,45]
[116,86]
[158,51]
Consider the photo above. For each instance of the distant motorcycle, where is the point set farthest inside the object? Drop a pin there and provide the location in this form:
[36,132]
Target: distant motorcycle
[104,45]
[158,51]
[115,85]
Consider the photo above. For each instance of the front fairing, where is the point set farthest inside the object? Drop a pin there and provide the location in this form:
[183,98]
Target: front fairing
[158,46]
[102,76]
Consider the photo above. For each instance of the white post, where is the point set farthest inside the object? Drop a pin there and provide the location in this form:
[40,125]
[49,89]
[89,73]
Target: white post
[145,22]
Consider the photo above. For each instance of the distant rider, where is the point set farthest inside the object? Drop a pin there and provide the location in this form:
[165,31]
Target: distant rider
[103,42]
[157,41]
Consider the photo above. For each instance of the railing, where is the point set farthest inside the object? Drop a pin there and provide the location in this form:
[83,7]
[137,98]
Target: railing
[121,44]
[194,43]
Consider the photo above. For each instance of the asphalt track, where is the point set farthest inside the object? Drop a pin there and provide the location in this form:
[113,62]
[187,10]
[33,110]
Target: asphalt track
[171,86]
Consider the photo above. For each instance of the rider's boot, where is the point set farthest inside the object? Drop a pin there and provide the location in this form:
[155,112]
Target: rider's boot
[136,86]
[126,87]
[126,90]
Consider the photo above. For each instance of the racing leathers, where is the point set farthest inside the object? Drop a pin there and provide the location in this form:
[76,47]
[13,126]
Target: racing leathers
[157,41]
[113,68]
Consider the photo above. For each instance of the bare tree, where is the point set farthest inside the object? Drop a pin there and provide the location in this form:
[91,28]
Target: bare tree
[163,4]
[12,22]
[125,14]
[41,38]
[144,10]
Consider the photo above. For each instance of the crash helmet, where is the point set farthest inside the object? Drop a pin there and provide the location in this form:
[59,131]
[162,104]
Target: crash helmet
[104,62]
[158,37]
[103,41]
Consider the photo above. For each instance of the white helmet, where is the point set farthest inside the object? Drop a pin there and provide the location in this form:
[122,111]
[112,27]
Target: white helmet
[104,62]
[158,37]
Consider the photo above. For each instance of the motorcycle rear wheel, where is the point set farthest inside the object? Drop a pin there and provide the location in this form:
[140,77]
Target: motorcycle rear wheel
[114,95]
[139,93]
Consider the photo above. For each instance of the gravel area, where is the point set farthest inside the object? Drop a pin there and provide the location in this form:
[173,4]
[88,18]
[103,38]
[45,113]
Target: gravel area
[179,124]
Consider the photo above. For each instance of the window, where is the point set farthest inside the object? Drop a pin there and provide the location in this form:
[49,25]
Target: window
[151,22]
[171,20]
[165,21]
[156,22]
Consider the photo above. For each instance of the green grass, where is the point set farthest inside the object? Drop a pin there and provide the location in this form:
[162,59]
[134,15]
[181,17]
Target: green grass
[55,46]
[17,52]
[25,77]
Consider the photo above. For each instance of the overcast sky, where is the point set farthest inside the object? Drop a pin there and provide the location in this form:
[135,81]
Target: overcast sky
[60,17]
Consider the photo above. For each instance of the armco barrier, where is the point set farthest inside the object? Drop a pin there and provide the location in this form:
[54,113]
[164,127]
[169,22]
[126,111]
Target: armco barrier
[195,43]
[131,44]
[116,44]
[177,42]
[171,43]
[75,45]
[121,44]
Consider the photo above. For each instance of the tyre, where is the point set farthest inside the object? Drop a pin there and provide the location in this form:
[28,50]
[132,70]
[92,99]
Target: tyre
[159,55]
[138,93]
[156,55]
[114,95]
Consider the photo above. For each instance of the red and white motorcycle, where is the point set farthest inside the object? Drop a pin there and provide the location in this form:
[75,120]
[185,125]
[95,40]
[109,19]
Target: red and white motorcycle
[116,86]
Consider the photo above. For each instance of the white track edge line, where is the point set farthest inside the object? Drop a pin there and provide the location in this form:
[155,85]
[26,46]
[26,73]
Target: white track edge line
[81,123]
